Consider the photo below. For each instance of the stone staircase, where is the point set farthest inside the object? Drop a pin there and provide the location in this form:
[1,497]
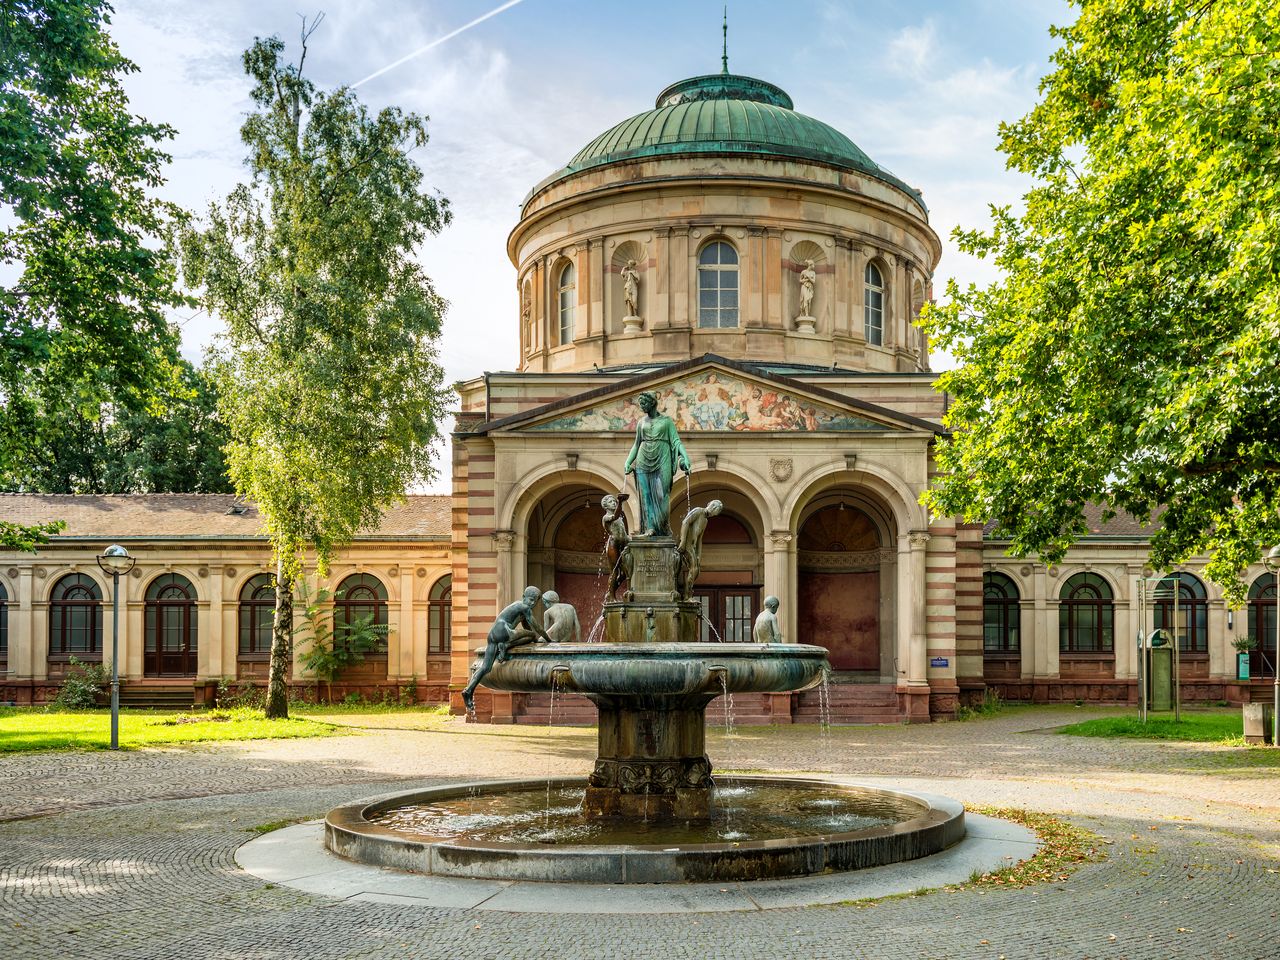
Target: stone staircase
[178,697]
[572,710]
[849,703]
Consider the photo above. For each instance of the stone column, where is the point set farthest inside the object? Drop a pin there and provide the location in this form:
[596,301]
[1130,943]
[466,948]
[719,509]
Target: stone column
[657,299]
[779,580]
[22,635]
[857,293]
[1222,657]
[230,623]
[772,316]
[40,624]
[841,288]
[209,655]
[912,655]
[133,637]
[408,639]
[684,288]
[751,295]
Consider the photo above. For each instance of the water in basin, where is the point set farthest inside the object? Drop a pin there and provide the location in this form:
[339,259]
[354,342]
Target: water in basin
[741,812]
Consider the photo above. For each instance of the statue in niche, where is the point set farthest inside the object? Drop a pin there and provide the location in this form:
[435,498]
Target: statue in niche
[766,629]
[688,556]
[504,635]
[615,525]
[560,619]
[631,288]
[808,279]
[654,459]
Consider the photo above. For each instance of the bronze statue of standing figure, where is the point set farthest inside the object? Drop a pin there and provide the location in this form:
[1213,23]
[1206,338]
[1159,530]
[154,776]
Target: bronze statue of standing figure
[654,459]
[617,538]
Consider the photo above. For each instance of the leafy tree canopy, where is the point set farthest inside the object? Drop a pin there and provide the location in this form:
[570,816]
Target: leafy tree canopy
[329,382]
[82,327]
[1130,357]
[172,447]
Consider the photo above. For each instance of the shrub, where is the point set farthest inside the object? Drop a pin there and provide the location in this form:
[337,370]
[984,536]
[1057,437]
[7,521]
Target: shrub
[83,687]
[990,706]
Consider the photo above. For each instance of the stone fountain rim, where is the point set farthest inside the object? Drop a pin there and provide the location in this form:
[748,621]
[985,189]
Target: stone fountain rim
[349,834]
[673,650]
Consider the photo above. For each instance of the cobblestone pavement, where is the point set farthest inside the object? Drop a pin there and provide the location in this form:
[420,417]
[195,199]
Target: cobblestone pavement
[132,855]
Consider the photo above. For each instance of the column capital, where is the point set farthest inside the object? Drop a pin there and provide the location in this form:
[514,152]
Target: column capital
[781,538]
[917,539]
[503,540]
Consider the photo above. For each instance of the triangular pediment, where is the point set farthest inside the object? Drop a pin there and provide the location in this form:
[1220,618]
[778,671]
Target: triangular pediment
[715,395]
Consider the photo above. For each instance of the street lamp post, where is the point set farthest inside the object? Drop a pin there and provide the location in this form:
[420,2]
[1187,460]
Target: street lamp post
[1272,561]
[116,561]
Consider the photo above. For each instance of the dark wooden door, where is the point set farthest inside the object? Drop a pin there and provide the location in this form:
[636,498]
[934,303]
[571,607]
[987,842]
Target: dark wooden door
[171,639]
[728,613]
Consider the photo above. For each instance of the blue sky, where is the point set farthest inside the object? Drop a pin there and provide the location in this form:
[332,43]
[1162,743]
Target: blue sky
[920,86]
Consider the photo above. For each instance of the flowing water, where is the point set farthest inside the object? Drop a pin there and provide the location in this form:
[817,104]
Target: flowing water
[742,811]
[726,699]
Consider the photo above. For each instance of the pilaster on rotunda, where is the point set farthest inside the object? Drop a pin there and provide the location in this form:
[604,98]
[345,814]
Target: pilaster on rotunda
[722,221]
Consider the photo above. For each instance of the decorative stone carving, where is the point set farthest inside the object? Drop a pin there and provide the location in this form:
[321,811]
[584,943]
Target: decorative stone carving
[571,461]
[631,323]
[12,572]
[229,572]
[917,539]
[651,777]
[41,572]
[805,322]
[850,461]
[712,460]
[503,539]
[781,468]
[780,538]
[202,572]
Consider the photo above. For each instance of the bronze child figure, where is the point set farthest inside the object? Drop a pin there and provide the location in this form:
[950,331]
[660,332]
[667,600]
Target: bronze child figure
[503,637]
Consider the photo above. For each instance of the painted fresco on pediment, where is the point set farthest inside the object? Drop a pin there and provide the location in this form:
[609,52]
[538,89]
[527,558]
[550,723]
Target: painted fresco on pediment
[716,401]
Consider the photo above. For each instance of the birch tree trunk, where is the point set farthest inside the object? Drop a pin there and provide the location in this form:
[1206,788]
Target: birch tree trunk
[281,646]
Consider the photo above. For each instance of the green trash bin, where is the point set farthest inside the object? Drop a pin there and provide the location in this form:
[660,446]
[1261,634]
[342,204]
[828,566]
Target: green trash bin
[1161,678]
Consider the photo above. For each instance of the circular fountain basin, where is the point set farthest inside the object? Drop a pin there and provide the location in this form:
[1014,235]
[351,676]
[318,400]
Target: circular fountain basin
[660,669]
[531,830]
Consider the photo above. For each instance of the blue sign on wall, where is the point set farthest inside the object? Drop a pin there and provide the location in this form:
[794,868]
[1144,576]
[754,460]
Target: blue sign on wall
[939,662]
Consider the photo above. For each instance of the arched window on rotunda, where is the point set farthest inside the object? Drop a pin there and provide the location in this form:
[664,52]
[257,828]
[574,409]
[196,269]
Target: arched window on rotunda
[873,305]
[718,285]
[568,292]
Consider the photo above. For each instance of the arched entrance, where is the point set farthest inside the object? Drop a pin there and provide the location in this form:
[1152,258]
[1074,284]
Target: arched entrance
[170,644]
[845,583]
[566,550]
[730,580]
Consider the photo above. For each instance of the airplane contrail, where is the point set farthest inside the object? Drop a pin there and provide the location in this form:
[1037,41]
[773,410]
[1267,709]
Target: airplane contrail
[439,40]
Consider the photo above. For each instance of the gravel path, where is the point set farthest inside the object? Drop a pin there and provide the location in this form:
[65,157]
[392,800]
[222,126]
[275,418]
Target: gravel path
[132,855]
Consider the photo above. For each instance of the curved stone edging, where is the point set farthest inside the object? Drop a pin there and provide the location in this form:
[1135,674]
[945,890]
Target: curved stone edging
[349,834]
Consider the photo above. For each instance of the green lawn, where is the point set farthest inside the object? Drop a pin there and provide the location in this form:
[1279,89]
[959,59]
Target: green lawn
[34,728]
[1197,727]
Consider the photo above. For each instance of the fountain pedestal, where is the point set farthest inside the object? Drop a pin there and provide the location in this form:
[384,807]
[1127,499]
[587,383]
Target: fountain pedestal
[651,762]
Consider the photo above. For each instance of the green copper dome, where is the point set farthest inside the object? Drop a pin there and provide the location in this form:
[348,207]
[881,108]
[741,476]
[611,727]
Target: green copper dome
[726,113]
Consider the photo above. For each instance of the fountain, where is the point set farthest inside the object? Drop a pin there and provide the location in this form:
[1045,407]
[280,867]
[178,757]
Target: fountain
[651,810]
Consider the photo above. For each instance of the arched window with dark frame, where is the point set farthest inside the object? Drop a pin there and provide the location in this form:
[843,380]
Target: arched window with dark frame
[440,615]
[873,305]
[1001,613]
[170,641]
[256,615]
[1192,628]
[361,596]
[75,619]
[1086,615]
[1262,626]
[4,623]
[567,293]
[718,285]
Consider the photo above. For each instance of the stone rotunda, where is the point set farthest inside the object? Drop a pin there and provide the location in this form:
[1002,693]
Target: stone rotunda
[760,273]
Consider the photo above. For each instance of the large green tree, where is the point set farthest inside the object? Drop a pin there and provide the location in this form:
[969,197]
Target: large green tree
[174,446]
[83,323]
[1130,354]
[329,381]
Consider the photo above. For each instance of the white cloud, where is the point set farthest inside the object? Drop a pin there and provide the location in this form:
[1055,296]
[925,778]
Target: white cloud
[913,48]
